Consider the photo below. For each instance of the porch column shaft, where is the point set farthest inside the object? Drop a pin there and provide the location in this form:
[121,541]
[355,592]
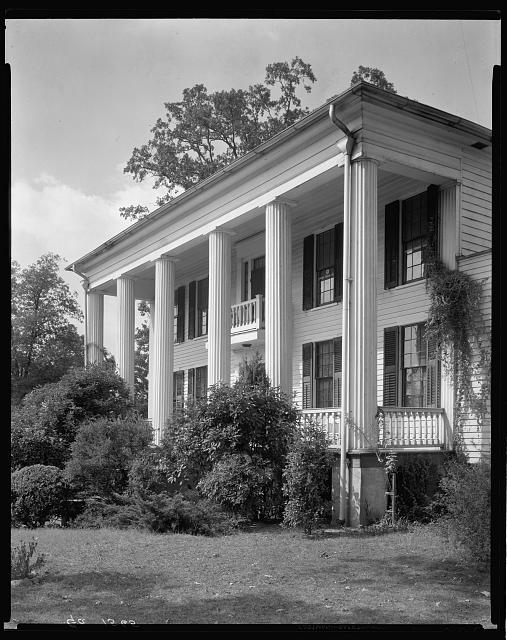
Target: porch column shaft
[94,328]
[126,329]
[363,321]
[219,308]
[278,322]
[151,338]
[163,346]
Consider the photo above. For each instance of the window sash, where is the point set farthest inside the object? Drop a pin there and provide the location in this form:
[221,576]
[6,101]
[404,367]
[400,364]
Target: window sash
[202,307]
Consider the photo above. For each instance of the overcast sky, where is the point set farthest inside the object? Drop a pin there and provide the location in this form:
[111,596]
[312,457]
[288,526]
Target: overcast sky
[86,92]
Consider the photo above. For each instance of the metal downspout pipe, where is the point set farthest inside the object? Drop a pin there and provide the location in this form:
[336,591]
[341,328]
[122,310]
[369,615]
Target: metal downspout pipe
[347,147]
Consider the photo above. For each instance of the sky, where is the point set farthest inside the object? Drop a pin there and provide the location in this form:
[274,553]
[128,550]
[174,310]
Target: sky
[85,92]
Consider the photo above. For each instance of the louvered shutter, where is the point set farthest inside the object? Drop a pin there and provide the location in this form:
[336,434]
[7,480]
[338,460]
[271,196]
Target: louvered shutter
[191,383]
[338,261]
[178,381]
[432,218]
[337,372]
[308,275]
[391,244]
[191,309]
[432,375]
[180,325]
[307,375]
[391,366]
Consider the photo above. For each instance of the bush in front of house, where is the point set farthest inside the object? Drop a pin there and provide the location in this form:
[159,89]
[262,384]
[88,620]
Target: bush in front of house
[103,452]
[307,486]
[417,481]
[38,493]
[465,505]
[45,425]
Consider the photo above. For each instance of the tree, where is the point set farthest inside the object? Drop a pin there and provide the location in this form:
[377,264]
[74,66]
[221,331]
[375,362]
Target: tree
[44,341]
[373,76]
[141,360]
[204,132]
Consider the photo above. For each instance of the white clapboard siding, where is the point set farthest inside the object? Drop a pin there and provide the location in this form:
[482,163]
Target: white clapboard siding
[475,201]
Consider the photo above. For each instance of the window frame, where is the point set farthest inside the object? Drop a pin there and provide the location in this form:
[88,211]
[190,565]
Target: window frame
[313,276]
[310,392]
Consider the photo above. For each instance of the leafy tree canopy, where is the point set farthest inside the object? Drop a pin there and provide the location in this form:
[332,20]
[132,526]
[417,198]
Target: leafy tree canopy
[204,132]
[44,341]
[373,76]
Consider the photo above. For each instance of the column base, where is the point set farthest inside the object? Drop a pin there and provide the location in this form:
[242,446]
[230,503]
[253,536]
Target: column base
[367,486]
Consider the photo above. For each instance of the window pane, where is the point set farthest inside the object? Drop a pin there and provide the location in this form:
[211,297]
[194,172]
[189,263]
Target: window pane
[414,366]
[325,286]
[413,266]
[324,392]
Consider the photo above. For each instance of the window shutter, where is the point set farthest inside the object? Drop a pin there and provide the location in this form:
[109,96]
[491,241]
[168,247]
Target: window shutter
[191,383]
[432,375]
[180,326]
[191,309]
[307,375]
[392,244]
[432,217]
[338,261]
[178,381]
[308,249]
[337,373]
[391,366]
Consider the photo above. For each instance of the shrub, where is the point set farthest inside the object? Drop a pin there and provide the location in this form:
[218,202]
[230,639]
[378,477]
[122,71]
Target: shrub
[465,500]
[417,479]
[242,485]
[159,513]
[45,425]
[22,565]
[103,452]
[39,492]
[306,476]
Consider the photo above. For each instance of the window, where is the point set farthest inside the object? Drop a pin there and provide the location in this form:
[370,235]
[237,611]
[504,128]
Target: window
[179,314]
[178,383]
[322,267]
[198,382]
[411,233]
[322,373]
[198,308]
[253,278]
[411,368]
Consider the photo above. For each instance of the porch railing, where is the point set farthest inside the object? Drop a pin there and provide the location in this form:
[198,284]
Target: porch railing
[248,315]
[329,420]
[412,427]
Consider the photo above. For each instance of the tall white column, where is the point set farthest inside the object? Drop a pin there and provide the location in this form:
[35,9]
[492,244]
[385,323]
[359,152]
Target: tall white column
[151,338]
[219,308]
[163,346]
[363,317]
[278,317]
[94,328]
[126,329]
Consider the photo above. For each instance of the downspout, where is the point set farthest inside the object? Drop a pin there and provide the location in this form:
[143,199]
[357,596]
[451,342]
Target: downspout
[346,146]
[86,285]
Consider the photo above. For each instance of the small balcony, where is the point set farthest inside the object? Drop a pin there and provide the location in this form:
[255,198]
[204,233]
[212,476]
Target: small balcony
[247,320]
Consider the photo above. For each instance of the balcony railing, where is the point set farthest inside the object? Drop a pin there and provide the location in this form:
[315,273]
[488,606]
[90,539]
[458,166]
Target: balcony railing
[248,315]
[403,427]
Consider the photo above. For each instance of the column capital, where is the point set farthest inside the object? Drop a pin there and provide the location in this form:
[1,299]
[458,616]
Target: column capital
[365,158]
[124,276]
[281,200]
[226,232]
[164,258]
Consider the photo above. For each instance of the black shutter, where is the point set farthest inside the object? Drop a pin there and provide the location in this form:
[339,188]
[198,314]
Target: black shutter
[180,302]
[337,372]
[307,375]
[392,245]
[191,384]
[391,366]
[191,309]
[178,382]
[338,261]
[308,249]
[432,375]
[432,217]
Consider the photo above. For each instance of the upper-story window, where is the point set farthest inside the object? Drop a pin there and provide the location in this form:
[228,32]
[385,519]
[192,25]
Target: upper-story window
[198,308]
[179,314]
[411,236]
[322,267]
[253,279]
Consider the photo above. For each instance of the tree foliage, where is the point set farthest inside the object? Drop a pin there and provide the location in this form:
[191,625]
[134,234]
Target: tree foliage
[44,342]
[373,76]
[141,360]
[204,132]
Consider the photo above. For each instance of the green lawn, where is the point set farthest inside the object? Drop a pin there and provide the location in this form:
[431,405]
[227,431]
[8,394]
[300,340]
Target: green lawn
[268,575]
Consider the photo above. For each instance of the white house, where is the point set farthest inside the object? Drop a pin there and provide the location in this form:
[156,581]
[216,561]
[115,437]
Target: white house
[309,250]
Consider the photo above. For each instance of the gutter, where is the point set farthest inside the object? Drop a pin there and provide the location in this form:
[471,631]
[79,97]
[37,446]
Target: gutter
[86,285]
[347,146]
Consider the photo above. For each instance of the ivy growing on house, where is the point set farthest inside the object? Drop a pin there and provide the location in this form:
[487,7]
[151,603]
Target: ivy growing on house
[455,325]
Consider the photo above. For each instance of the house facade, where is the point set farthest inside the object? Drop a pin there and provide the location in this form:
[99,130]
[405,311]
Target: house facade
[310,250]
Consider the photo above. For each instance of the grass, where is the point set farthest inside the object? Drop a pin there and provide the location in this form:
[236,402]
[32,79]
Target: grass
[267,575]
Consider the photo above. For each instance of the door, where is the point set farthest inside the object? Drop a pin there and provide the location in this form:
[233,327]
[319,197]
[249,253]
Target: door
[257,277]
